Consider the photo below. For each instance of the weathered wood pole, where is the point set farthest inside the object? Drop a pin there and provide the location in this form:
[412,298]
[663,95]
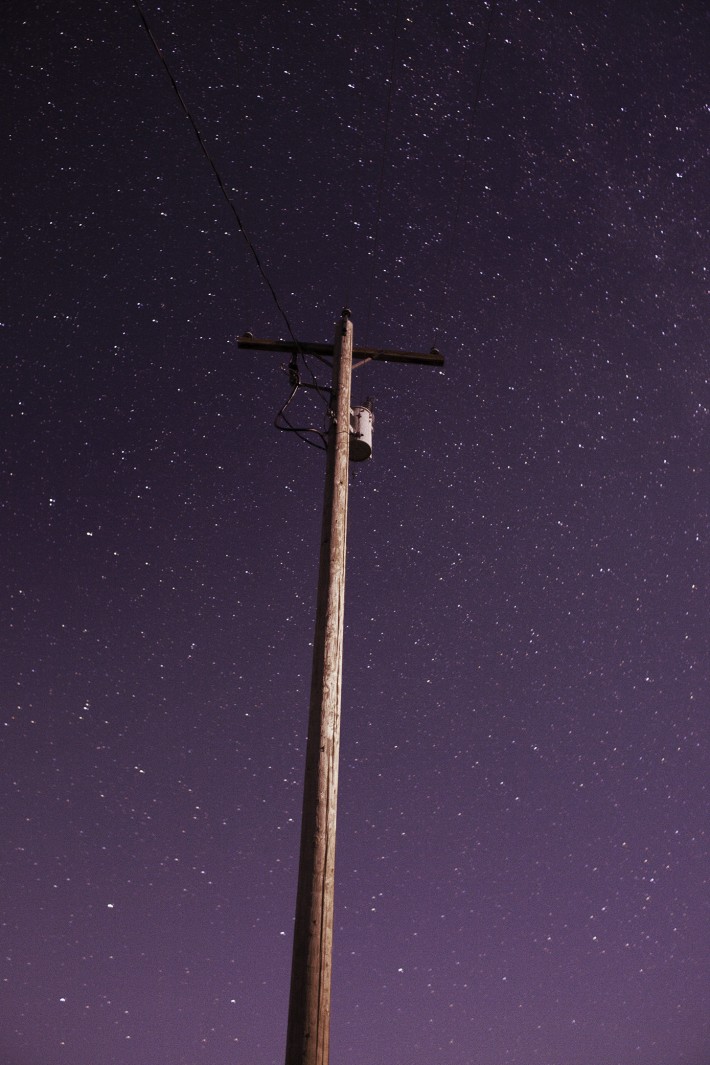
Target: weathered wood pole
[308,1036]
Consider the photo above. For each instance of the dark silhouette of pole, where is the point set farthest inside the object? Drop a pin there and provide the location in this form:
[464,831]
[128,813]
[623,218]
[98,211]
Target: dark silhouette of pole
[308,1035]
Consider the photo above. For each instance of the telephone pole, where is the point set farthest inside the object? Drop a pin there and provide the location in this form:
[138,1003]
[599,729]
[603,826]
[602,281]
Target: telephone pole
[307,1040]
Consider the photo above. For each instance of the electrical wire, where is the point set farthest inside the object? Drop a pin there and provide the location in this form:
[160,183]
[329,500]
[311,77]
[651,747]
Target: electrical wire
[453,229]
[287,427]
[281,421]
[215,171]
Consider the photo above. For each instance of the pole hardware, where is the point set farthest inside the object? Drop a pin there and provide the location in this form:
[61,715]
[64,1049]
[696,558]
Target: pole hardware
[308,1034]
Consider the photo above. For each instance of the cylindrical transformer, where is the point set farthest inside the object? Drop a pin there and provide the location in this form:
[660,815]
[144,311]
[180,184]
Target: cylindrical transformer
[361,420]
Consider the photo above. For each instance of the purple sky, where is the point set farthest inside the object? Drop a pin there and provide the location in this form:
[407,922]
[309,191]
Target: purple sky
[522,873]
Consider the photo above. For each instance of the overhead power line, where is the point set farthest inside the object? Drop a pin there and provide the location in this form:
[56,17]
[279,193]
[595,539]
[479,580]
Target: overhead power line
[281,421]
[215,171]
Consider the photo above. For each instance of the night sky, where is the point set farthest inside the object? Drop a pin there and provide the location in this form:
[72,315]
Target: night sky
[522,871]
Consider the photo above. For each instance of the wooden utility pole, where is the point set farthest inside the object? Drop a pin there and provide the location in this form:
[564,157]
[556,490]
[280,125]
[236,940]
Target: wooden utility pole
[307,1040]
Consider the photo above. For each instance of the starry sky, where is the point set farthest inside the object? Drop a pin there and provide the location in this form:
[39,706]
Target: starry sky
[522,871]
